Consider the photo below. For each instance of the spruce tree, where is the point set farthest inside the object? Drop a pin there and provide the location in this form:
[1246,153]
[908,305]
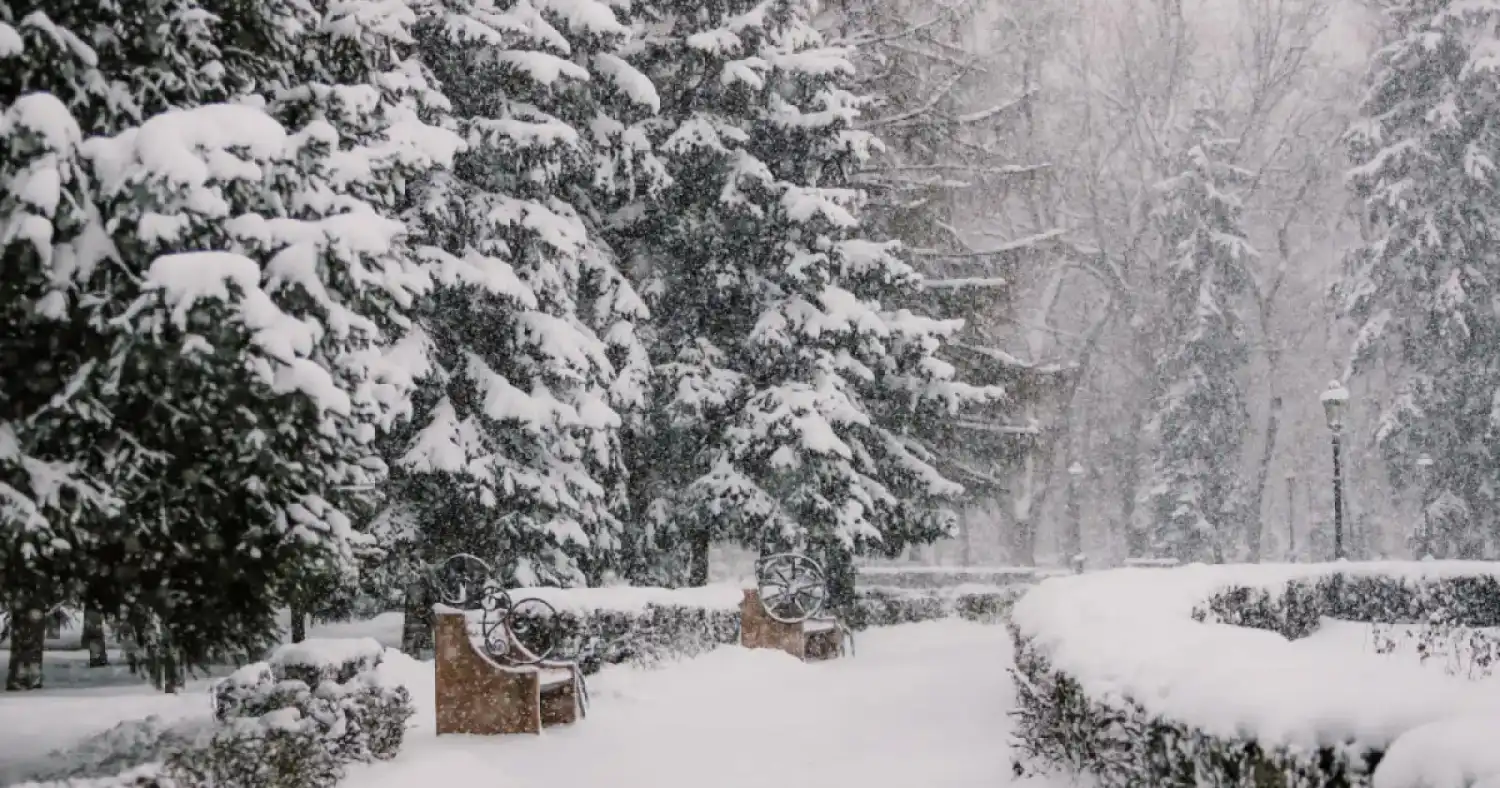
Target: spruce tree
[1199,419]
[784,389]
[237,285]
[1421,287]
[529,341]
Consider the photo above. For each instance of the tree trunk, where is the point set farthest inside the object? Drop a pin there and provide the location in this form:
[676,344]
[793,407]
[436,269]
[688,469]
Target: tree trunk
[299,623]
[1023,543]
[416,620]
[1136,542]
[171,667]
[1023,504]
[93,637]
[699,544]
[28,637]
[1073,542]
[1254,526]
[966,534]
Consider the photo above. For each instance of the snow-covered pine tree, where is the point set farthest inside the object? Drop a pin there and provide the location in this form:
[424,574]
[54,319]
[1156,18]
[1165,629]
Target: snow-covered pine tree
[785,390]
[67,72]
[1422,287]
[236,287]
[961,181]
[52,485]
[1200,418]
[368,83]
[530,337]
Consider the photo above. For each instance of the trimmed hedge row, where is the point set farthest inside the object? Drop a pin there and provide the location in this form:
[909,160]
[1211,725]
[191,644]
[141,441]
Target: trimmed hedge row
[1119,743]
[267,731]
[1295,609]
[659,631]
[929,577]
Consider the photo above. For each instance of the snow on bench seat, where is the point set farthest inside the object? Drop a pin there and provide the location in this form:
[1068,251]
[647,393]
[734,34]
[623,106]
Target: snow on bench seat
[552,676]
[1128,635]
[819,625]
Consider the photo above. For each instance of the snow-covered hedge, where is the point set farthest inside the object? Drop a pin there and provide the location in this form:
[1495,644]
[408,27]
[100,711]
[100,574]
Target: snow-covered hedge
[612,625]
[1206,675]
[269,730]
[316,660]
[949,576]
[283,749]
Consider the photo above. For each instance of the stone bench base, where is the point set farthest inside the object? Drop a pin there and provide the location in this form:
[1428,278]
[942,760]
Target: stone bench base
[810,641]
[477,695]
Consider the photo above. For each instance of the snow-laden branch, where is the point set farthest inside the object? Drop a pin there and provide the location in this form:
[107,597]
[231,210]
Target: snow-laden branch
[871,39]
[998,109]
[1012,247]
[1009,170]
[940,93]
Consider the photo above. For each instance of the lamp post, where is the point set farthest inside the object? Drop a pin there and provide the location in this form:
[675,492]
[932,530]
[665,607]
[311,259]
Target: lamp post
[1075,517]
[1335,399]
[1424,536]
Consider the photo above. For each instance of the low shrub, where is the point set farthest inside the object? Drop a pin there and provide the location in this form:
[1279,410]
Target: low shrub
[147,776]
[358,718]
[283,749]
[267,730]
[316,660]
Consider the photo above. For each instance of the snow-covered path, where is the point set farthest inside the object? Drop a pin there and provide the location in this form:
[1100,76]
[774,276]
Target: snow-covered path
[921,705]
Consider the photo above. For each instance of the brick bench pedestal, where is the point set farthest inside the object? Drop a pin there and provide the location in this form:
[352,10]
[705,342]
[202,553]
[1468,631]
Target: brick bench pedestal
[479,695]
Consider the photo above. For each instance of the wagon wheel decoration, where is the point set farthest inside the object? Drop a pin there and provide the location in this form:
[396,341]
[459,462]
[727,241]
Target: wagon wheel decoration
[464,581]
[792,587]
[522,633]
[533,628]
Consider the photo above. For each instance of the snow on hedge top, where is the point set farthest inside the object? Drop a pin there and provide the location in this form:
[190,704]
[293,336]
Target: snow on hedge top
[1127,635]
[324,652]
[634,599]
[627,599]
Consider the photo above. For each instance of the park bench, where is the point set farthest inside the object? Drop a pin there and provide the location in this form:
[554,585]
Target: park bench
[491,679]
[784,610]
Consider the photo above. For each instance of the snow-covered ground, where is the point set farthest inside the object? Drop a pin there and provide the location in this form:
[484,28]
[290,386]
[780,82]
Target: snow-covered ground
[921,704]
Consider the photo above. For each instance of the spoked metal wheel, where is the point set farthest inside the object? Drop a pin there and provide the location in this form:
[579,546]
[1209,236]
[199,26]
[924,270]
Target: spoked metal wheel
[533,625]
[463,581]
[792,587]
[495,637]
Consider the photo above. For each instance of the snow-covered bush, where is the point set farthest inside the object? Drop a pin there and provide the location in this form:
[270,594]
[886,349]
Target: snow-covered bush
[332,682]
[119,750]
[283,749]
[1460,650]
[148,776]
[317,660]
[269,730]
[1206,675]
[950,576]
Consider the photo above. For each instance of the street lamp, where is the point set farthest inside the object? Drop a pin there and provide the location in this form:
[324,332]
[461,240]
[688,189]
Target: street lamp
[1424,540]
[1075,514]
[1335,400]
